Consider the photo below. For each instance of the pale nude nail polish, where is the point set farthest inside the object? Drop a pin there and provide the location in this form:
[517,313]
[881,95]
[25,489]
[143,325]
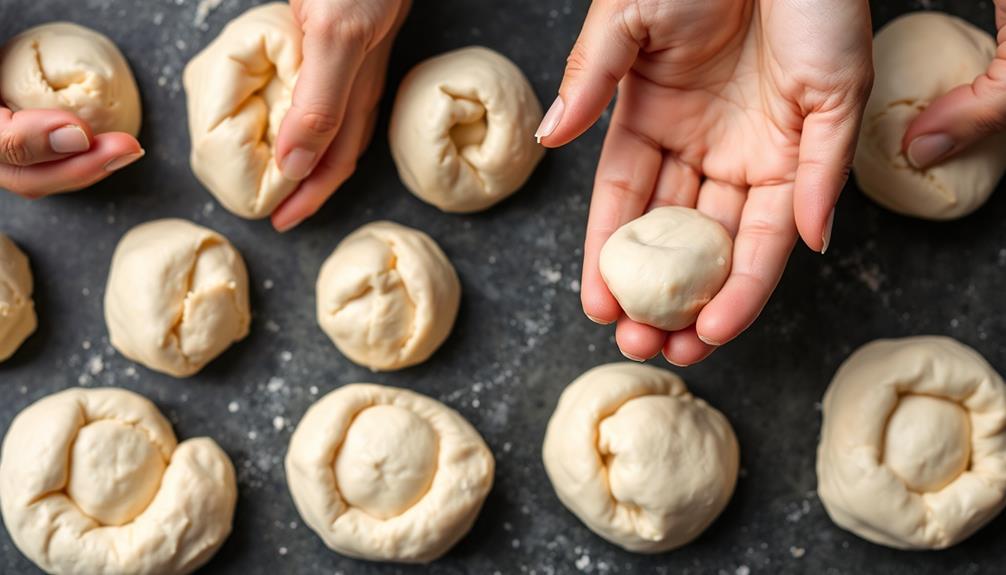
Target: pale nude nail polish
[123,161]
[551,119]
[69,139]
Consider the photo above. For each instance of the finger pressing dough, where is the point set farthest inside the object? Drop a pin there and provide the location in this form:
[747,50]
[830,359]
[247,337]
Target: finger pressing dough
[17,310]
[239,88]
[386,474]
[93,481]
[69,67]
[387,296]
[462,129]
[638,459]
[913,443]
[918,58]
[177,296]
[666,265]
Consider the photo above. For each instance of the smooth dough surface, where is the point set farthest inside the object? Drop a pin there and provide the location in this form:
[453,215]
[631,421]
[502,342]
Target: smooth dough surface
[239,88]
[387,296]
[636,457]
[912,70]
[913,443]
[17,309]
[387,474]
[666,265]
[66,66]
[462,129]
[94,481]
[177,296]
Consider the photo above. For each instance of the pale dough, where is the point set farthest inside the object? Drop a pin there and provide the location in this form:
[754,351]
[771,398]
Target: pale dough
[94,481]
[666,265]
[177,296]
[387,474]
[913,443]
[387,296]
[919,57]
[17,309]
[462,129]
[66,66]
[636,457]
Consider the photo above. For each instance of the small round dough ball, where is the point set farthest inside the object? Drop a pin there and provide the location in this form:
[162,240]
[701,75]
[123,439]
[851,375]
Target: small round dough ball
[637,458]
[387,296]
[666,265]
[177,296]
[386,474]
[912,70]
[913,448]
[462,129]
[69,67]
[17,309]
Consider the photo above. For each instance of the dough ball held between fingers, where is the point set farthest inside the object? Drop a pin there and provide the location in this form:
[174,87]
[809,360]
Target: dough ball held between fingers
[17,309]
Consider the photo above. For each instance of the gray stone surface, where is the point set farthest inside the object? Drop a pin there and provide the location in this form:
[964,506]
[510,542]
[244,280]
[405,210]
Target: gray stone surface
[520,337]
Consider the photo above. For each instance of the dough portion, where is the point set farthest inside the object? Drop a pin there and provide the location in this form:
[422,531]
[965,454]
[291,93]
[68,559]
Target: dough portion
[177,296]
[94,481]
[239,88]
[462,129]
[387,296]
[17,309]
[642,462]
[913,443]
[69,67]
[912,70]
[666,265]
[386,474]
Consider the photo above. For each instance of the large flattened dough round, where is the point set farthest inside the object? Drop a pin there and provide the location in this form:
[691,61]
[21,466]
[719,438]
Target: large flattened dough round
[17,309]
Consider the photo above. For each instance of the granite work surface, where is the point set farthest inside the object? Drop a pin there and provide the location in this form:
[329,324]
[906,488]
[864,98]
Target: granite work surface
[520,336]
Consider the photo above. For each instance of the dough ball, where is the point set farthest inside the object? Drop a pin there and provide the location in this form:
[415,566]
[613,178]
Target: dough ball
[462,129]
[637,458]
[666,265]
[387,296]
[177,296]
[918,58]
[239,88]
[913,447]
[94,481]
[408,479]
[69,67]
[17,310]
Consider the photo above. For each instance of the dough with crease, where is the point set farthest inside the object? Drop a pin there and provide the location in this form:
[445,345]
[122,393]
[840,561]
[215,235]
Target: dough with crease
[17,309]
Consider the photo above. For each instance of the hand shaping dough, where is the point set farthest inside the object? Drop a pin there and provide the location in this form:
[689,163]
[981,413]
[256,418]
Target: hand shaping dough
[462,129]
[386,474]
[177,296]
[666,265]
[65,66]
[913,443]
[638,459]
[387,296]
[17,310]
[913,69]
[239,89]
[93,481]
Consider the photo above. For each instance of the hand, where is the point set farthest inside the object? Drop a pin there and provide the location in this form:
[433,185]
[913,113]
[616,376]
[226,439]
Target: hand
[346,48]
[746,110]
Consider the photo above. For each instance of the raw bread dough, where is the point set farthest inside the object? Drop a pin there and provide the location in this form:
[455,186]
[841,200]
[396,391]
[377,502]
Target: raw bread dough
[66,66]
[638,459]
[462,129]
[17,310]
[387,474]
[94,481]
[913,443]
[919,57]
[239,88]
[387,296]
[177,296]
[666,265]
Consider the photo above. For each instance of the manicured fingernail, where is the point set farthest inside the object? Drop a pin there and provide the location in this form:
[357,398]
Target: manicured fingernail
[826,236]
[708,341]
[69,139]
[925,151]
[298,164]
[596,320]
[289,225]
[123,161]
[551,119]
[632,357]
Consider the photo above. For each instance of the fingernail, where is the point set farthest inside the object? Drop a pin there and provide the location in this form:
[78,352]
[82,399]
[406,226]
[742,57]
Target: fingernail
[826,236]
[123,161]
[596,320]
[289,225]
[708,341]
[298,164]
[925,151]
[551,119]
[632,357]
[675,364]
[69,139]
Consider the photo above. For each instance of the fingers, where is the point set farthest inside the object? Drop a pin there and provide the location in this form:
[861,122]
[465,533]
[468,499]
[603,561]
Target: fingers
[638,341]
[31,137]
[684,348]
[677,184]
[722,202]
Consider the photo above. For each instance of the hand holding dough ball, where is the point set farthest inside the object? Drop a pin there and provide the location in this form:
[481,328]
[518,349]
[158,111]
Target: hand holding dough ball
[462,130]
[913,446]
[17,310]
[386,474]
[177,296]
[94,481]
[387,296]
[638,459]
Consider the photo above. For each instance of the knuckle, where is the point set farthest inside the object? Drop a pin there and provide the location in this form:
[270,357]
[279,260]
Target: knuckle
[342,25]
[14,148]
[319,122]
